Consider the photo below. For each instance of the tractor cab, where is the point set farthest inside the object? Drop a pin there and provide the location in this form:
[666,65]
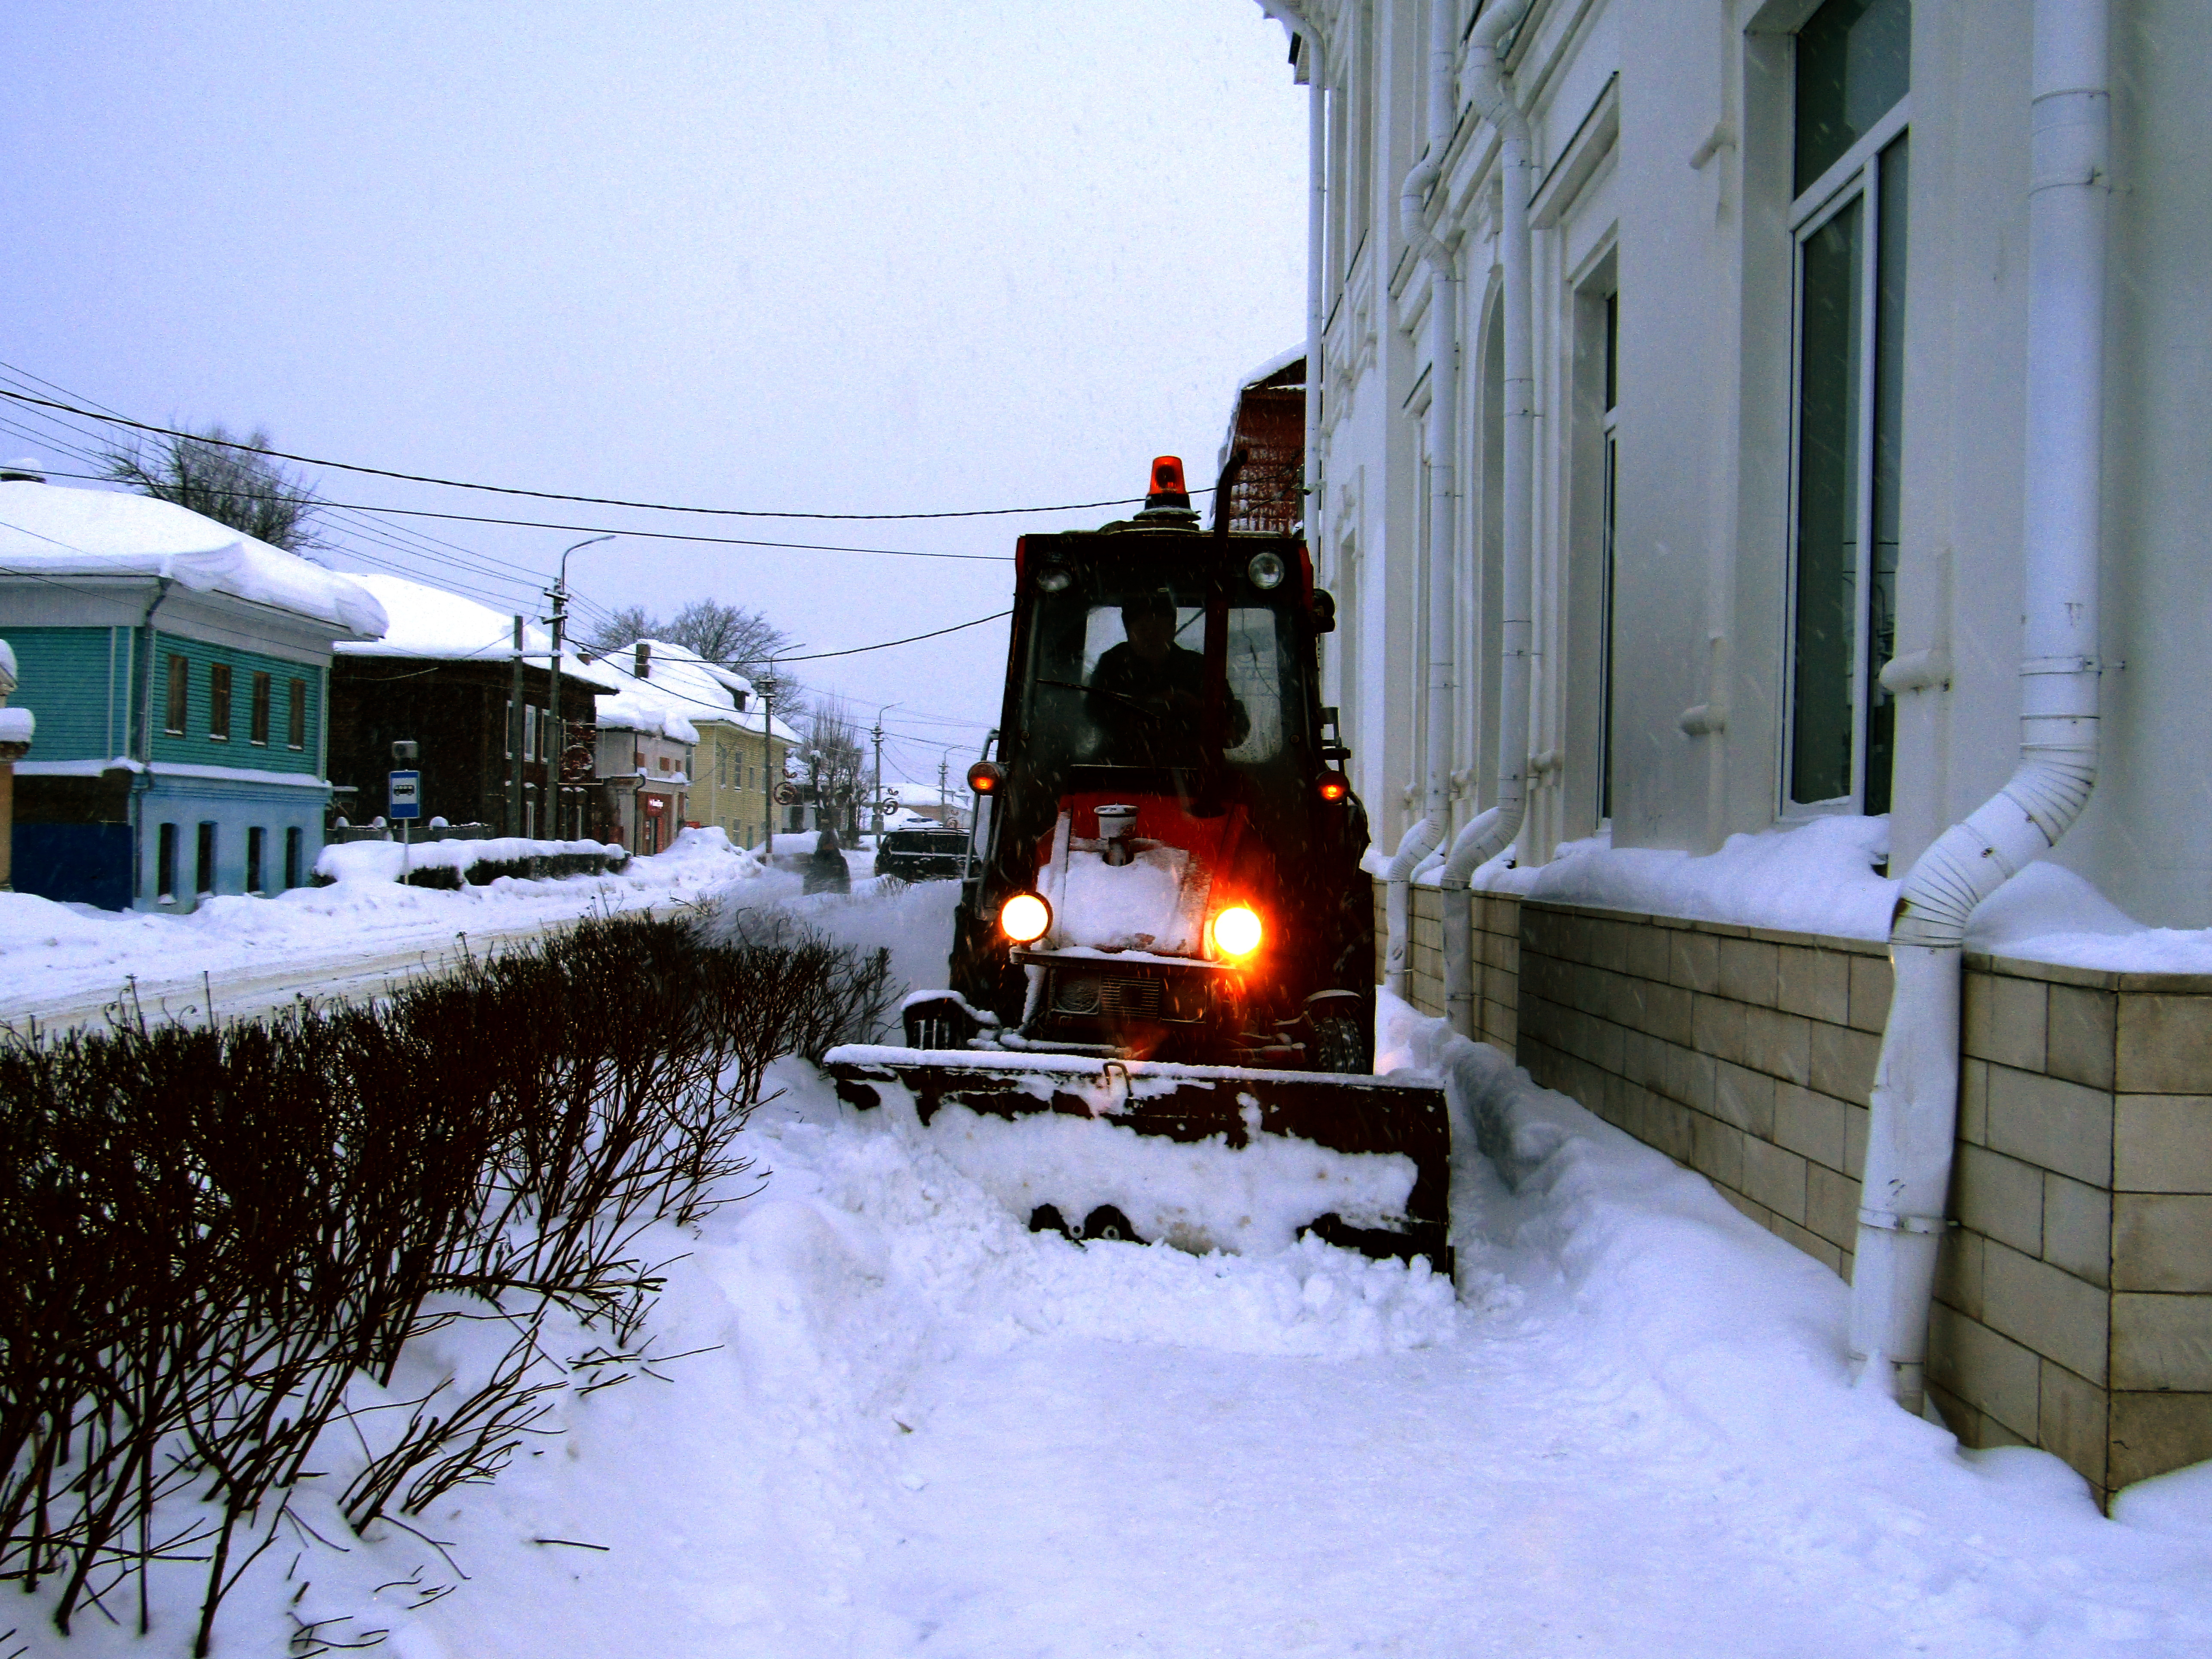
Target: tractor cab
[1166,860]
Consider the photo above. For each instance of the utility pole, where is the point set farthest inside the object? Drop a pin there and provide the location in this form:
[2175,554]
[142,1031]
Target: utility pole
[559,594]
[876,806]
[514,731]
[768,762]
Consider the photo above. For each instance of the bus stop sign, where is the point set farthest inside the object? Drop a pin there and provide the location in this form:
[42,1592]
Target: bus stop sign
[406,795]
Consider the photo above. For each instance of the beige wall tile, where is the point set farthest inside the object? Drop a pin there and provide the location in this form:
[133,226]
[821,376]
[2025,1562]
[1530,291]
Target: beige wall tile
[2003,1020]
[1857,1119]
[1667,1123]
[1751,1209]
[1717,1028]
[1808,1124]
[1744,1097]
[1716,1150]
[2156,1433]
[1958,1416]
[1776,1178]
[1974,1101]
[1747,970]
[1998,1196]
[2077,1227]
[2162,1143]
[1650,949]
[2161,1341]
[1959,1272]
[1843,1061]
[1690,1076]
[1779,1044]
[1987,1370]
[1814,1246]
[1694,961]
[2049,1121]
[1667,1011]
[1831,1206]
[1872,981]
[2074,1421]
[1814,983]
[2079,1040]
[2165,1044]
[2162,1242]
[2045,1308]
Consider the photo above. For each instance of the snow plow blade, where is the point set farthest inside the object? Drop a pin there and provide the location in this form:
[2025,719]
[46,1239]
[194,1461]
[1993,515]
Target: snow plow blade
[1251,1159]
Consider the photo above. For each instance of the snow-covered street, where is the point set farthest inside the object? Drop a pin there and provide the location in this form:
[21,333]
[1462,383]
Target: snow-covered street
[904,1424]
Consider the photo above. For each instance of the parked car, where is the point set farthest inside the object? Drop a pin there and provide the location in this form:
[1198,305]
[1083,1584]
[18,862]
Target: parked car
[923,854]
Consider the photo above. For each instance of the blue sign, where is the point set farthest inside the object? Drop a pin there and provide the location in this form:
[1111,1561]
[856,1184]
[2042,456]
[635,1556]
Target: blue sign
[406,795]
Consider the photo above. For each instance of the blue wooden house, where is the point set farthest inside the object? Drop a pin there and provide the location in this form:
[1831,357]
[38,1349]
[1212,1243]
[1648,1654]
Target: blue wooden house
[179,671]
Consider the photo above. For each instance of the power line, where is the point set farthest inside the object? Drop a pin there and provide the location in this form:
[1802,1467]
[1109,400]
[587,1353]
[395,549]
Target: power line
[819,656]
[554,494]
[612,529]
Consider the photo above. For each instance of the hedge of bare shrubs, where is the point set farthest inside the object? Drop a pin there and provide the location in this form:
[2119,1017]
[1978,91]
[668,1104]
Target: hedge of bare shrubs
[208,1233]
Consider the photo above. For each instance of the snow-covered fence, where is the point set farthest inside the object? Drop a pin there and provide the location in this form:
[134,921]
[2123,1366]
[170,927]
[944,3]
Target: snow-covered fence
[479,861]
[220,1239]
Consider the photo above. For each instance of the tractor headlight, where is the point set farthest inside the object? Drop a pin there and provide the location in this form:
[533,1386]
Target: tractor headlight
[1267,570]
[1025,917]
[1236,931]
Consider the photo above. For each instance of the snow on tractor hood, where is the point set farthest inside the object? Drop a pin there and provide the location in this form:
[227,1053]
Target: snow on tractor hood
[1155,903]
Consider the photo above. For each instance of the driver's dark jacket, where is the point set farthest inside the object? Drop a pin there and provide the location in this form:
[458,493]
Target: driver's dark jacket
[1150,712]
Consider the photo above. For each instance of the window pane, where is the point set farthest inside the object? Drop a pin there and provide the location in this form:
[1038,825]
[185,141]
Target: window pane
[1827,508]
[298,723]
[179,683]
[219,700]
[1888,449]
[259,718]
[1854,62]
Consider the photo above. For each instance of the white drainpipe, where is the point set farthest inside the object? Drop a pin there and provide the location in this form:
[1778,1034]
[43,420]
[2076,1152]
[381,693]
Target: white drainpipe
[1491,832]
[1914,1103]
[1427,833]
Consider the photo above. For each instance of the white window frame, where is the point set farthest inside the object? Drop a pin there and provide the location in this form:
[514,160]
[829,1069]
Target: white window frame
[1856,176]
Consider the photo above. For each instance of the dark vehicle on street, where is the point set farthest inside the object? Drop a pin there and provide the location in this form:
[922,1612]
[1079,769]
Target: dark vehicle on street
[1164,926]
[923,854]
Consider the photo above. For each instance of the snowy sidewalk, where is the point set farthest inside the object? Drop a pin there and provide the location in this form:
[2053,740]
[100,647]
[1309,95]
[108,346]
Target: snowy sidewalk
[916,1428]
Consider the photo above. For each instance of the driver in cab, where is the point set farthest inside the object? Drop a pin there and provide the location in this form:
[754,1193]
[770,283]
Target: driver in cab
[1150,692]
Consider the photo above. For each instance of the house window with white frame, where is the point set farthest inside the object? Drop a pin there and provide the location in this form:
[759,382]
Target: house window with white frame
[1853,76]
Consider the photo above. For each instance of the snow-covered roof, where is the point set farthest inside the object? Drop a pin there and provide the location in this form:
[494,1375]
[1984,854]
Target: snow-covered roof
[685,686]
[428,622]
[636,708]
[53,531]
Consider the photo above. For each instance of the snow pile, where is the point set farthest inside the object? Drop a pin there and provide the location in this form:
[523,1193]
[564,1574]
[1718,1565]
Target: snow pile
[1199,1196]
[1813,878]
[383,860]
[1138,906]
[51,532]
[2048,914]
[18,725]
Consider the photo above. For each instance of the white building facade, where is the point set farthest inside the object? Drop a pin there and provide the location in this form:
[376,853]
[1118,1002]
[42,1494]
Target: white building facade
[1777,329]
[1726,415]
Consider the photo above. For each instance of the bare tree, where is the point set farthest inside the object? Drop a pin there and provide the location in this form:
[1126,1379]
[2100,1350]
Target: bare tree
[834,762]
[231,480]
[731,634]
[621,630]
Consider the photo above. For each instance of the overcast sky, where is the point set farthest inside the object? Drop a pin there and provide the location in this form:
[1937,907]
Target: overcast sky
[852,256]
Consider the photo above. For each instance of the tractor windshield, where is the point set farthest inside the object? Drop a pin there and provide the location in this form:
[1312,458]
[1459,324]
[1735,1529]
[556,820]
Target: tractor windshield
[1118,676]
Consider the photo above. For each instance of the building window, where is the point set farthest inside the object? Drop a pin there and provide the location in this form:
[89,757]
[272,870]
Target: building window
[165,863]
[181,680]
[1853,72]
[257,719]
[219,701]
[203,876]
[256,838]
[294,845]
[298,723]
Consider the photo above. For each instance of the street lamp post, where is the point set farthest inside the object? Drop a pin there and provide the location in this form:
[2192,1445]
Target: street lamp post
[559,594]
[876,806]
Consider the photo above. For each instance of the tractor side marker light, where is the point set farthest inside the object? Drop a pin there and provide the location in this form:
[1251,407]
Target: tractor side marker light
[1267,570]
[1054,578]
[1333,787]
[1236,931]
[984,777]
[1025,917]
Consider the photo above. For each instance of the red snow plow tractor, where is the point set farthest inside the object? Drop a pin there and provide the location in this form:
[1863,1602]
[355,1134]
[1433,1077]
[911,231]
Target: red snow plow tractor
[1160,1016]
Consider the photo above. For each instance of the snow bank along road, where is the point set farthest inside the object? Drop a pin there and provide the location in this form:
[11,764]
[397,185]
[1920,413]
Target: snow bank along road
[911,1427]
[63,964]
